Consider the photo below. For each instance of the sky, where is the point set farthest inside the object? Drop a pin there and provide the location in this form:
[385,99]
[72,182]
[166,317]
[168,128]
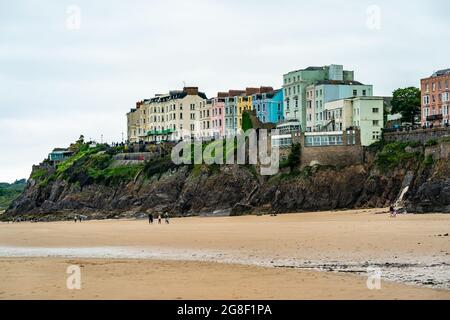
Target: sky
[77,67]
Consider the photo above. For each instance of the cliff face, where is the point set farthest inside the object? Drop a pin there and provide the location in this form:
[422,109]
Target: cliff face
[223,190]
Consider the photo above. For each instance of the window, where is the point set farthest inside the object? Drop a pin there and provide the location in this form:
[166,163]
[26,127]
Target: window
[376,122]
[375,135]
[433,86]
[355,93]
[364,93]
[375,110]
[426,100]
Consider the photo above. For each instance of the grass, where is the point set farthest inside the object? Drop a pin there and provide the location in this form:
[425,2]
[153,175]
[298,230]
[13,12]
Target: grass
[115,175]
[10,192]
[393,155]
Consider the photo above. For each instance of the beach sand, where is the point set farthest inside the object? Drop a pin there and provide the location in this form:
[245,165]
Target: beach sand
[360,237]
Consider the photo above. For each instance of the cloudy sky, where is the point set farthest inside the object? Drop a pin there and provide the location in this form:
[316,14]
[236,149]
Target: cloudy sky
[76,67]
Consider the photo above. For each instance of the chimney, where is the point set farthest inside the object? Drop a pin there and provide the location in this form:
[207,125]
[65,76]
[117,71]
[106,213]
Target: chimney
[192,91]
[250,91]
[265,89]
[222,94]
[234,93]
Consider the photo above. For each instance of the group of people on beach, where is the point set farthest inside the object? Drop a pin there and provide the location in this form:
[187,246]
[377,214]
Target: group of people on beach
[78,218]
[166,218]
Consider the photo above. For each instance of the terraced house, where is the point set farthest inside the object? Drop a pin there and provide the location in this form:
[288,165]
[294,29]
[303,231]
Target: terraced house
[231,112]
[269,105]
[218,115]
[435,99]
[172,116]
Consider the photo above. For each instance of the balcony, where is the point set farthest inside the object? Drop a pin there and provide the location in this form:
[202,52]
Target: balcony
[435,117]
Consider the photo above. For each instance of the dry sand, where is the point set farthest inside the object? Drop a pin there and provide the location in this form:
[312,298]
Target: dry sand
[410,243]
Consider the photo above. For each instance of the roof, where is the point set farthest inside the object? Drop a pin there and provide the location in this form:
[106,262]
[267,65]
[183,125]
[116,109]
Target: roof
[314,68]
[172,95]
[340,82]
[440,73]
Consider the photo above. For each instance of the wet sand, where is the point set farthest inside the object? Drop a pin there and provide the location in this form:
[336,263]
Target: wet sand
[277,252]
[45,278]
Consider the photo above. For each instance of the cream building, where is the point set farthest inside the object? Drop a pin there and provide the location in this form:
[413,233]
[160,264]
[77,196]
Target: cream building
[205,120]
[173,116]
[364,113]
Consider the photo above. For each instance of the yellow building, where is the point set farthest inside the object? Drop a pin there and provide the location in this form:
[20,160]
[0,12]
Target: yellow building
[245,102]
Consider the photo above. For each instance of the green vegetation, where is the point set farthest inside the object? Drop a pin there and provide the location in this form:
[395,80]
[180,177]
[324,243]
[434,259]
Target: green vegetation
[431,142]
[246,121]
[157,167]
[294,157]
[38,174]
[393,155]
[115,175]
[9,192]
[429,160]
[407,102]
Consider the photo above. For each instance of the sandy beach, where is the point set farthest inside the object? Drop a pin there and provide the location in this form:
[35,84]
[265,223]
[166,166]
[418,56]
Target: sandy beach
[321,255]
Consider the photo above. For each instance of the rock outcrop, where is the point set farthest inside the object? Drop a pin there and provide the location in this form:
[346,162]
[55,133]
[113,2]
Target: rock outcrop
[235,190]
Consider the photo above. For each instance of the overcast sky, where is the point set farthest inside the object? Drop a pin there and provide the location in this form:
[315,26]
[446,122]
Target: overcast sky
[58,81]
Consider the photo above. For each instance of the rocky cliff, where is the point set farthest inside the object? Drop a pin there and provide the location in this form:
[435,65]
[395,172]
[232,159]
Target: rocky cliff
[90,183]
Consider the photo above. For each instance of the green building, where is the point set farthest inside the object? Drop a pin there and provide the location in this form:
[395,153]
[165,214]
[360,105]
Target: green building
[296,82]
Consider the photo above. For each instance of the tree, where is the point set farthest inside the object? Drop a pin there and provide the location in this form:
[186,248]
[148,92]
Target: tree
[294,156]
[406,102]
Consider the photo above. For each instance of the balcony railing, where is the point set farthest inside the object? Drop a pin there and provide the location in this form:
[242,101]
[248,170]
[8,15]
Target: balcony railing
[435,117]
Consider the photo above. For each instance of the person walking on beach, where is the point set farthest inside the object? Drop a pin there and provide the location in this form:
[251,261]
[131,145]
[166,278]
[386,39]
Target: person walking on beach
[150,218]
[166,217]
[75,219]
[159,218]
[391,211]
[395,213]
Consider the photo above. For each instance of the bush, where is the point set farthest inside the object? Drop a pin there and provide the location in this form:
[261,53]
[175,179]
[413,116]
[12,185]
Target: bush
[293,160]
[393,154]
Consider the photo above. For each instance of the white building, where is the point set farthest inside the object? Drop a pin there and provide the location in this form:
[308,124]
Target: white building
[364,113]
[172,116]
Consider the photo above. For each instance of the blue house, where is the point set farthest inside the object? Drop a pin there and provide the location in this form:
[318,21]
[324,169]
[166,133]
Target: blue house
[269,106]
[59,155]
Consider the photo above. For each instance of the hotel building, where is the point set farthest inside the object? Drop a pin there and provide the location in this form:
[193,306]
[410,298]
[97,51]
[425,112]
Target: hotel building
[172,116]
[435,99]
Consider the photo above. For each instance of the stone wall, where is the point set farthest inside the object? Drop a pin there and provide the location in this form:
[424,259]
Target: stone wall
[422,135]
[332,155]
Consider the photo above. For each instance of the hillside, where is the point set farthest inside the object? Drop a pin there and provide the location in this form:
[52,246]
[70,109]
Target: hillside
[9,192]
[91,182]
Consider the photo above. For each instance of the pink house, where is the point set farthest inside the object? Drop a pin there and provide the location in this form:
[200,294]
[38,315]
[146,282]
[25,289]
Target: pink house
[218,115]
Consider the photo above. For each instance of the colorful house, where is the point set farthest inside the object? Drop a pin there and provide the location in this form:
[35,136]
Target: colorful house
[218,115]
[231,112]
[269,106]
[244,102]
